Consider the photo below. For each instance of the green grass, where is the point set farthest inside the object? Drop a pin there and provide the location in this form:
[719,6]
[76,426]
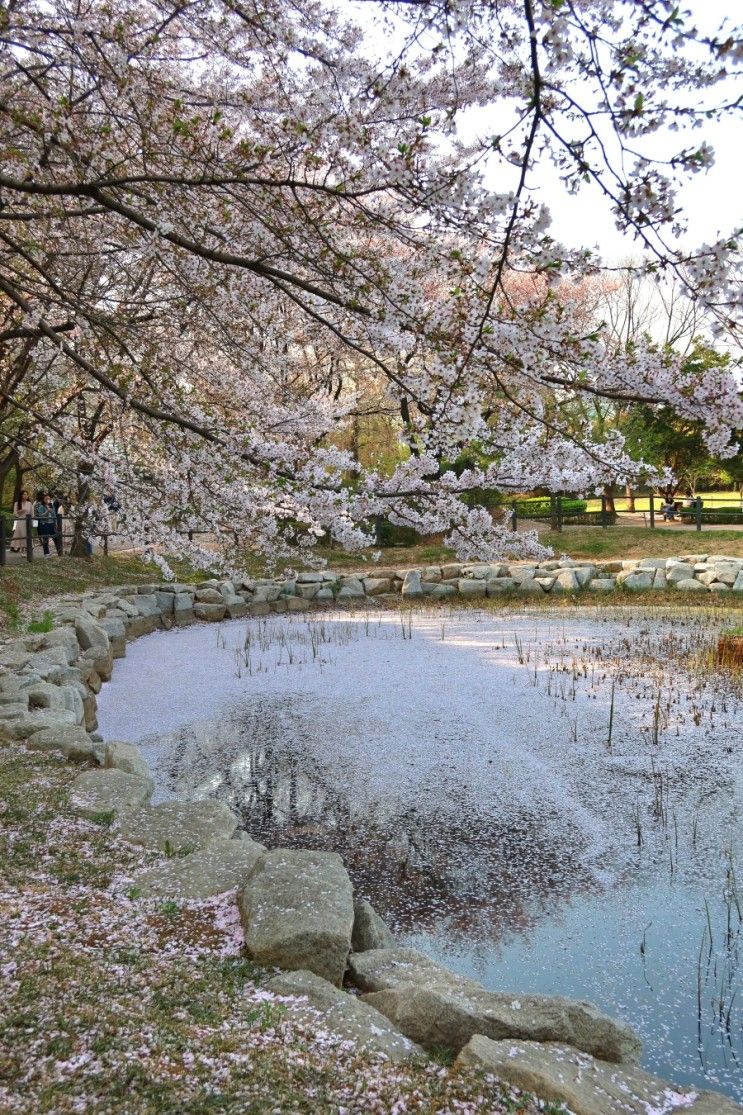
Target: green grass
[711,500]
[619,542]
[29,584]
[41,626]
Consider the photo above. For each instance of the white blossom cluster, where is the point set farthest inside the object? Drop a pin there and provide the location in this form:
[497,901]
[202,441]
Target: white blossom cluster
[212,215]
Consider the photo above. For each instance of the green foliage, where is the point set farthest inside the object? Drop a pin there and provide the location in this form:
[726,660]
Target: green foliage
[666,439]
[41,626]
[534,507]
[716,516]
[390,534]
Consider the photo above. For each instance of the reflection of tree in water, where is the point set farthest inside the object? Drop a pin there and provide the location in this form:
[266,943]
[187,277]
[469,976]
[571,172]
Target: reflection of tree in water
[426,866]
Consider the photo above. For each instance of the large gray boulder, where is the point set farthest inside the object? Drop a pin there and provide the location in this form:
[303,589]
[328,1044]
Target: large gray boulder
[636,580]
[469,586]
[90,634]
[183,612]
[689,584]
[437,1008]
[297,912]
[351,589]
[124,756]
[178,827]
[24,724]
[497,585]
[97,792]
[679,571]
[116,631]
[212,613]
[369,931]
[411,586]
[209,596]
[567,581]
[74,743]
[375,586]
[448,1017]
[559,1073]
[530,586]
[220,866]
[319,1004]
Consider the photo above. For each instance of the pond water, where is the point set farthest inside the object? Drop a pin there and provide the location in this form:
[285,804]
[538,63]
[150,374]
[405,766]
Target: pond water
[549,802]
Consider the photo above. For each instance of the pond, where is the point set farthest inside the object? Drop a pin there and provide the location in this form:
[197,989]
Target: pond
[549,802]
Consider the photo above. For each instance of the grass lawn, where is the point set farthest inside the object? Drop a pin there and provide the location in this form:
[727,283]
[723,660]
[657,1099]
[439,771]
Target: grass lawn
[112,1003]
[25,587]
[575,542]
[711,501]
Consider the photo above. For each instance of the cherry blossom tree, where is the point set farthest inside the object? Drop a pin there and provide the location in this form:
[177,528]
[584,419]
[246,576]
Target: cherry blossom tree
[210,209]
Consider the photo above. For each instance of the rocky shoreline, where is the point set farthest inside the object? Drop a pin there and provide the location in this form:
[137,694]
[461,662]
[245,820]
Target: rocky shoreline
[297,907]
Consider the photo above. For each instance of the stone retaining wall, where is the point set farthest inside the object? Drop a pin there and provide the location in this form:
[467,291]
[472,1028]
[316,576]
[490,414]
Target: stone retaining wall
[297,907]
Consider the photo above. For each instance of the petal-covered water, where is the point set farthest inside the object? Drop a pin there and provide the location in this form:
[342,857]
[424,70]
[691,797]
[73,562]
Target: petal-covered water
[551,804]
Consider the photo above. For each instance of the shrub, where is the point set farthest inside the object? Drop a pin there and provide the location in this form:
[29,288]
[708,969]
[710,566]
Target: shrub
[718,516]
[537,507]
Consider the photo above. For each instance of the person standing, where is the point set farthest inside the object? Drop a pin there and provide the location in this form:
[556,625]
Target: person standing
[60,510]
[46,517]
[21,508]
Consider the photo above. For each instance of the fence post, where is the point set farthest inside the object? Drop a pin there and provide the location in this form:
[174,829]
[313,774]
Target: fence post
[59,537]
[604,516]
[2,540]
[105,545]
[559,512]
[29,538]
[514,517]
[652,510]
[190,536]
[698,512]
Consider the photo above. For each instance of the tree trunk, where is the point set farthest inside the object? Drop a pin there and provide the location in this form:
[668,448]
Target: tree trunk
[630,498]
[609,497]
[78,547]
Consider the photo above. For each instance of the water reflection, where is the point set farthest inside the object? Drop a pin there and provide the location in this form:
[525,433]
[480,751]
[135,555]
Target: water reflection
[425,861]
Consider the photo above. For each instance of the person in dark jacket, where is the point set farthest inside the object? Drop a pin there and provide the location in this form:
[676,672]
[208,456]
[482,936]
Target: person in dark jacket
[46,517]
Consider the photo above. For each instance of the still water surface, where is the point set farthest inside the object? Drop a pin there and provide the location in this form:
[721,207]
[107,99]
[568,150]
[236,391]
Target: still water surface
[547,804]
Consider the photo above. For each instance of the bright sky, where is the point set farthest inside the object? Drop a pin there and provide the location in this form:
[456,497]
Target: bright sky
[711,199]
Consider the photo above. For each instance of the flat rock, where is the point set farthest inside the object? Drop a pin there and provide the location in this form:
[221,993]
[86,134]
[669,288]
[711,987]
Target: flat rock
[321,1005]
[96,792]
[297,912]
[436,1007]
[178,826]
[381,969]
[448,1017]
[558,1073]
[220,866]
[469,586]
[689,584]
[369,931]
[28,723]
[74,743]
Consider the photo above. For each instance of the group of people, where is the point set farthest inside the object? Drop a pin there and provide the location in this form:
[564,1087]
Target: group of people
[45,512]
